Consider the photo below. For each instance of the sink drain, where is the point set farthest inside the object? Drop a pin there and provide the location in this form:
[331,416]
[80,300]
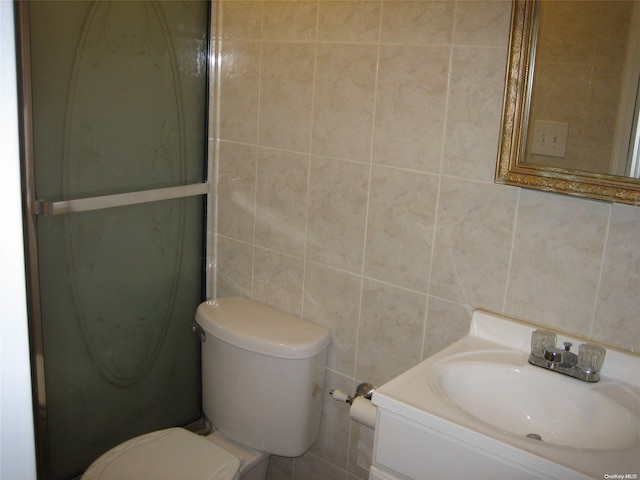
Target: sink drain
[535,436]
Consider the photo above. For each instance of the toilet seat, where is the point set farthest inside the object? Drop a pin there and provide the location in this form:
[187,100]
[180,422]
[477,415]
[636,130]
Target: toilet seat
[165,455]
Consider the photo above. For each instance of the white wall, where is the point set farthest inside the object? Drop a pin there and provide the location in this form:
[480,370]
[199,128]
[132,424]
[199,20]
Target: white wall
[17,449]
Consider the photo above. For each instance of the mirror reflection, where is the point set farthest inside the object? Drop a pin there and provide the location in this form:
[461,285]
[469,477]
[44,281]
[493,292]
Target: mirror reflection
[572,99]
[584,98]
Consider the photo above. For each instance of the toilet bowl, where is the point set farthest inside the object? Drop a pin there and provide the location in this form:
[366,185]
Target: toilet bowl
[166,455]
[176,453]
[262,377]
[253,464]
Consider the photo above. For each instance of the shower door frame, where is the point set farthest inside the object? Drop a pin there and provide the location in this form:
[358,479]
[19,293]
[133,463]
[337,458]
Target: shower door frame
[33,207]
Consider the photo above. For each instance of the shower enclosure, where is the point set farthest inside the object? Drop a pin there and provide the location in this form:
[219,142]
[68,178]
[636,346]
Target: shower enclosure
[114,98]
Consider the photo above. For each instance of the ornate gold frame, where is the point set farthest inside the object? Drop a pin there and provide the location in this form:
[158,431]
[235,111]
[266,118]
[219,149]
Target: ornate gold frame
[510,170]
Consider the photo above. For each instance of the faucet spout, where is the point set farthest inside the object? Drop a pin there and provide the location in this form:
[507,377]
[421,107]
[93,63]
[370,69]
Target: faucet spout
[561,356]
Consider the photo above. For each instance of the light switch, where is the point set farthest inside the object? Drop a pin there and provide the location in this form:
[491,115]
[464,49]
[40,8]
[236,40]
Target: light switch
[549,138]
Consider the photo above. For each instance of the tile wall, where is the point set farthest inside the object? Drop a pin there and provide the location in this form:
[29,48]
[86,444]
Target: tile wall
[357,151]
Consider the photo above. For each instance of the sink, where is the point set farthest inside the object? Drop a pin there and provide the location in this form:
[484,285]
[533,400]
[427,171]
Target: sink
[502,389]
[480,400]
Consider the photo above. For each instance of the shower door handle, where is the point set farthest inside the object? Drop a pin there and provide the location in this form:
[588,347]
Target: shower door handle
[61,207]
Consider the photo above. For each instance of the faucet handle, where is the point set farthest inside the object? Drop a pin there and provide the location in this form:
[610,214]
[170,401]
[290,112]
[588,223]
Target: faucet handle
[590,357]
[542,340]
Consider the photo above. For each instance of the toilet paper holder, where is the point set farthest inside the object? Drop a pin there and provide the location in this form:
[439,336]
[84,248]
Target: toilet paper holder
[361,409]
[364,390]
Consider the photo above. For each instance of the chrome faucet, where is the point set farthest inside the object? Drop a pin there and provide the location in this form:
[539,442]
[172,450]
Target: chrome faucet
[584,366]
[561,356]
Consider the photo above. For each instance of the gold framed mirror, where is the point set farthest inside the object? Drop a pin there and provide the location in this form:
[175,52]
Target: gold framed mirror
[549,140]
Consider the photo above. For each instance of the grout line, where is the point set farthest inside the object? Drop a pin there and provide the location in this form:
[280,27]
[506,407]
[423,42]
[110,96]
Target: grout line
[306,238]
[367,42]
[370,175]
[309,157]
[512,249]
[257,157]
[599,283]
[434,236]
[366,222]
[361,162]
[439,187]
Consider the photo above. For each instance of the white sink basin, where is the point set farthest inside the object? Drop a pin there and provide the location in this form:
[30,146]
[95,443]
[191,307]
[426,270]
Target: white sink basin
[480,399]
[503,390]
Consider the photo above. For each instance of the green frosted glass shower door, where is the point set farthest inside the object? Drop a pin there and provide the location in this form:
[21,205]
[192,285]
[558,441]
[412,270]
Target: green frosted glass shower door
[118,93]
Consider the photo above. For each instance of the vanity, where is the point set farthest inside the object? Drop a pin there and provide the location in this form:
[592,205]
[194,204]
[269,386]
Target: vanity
[480,409]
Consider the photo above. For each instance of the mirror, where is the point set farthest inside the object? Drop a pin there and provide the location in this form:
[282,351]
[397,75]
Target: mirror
[571,104]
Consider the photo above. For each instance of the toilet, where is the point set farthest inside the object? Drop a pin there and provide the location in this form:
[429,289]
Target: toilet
[262,377]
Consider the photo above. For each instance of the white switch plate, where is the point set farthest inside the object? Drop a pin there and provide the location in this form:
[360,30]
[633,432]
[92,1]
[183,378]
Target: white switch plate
[549,138]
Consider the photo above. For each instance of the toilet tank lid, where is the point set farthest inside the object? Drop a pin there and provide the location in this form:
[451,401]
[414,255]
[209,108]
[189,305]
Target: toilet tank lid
[258,328]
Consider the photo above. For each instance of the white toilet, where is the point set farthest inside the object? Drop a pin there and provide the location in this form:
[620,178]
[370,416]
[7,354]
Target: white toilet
[262,376]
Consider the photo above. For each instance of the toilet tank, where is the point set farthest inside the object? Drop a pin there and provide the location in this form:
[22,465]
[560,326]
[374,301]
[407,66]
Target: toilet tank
[262,375]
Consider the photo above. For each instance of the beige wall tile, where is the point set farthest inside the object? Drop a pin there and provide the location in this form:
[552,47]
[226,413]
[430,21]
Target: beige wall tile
[360,450]
[411,107]
[602,109]
[391,329]
[612,31]
[567,31]
[241,19]
[280,468]
[475,109]
[418,22]
[617,318]
[400,227]
[564,87]
[557,255]
[591,160]
[337,213]
[310,467]
[332,299]
[473,243]
[277,280]
[286,91]
[234,268]
[375,83]
[237,190]
[446,323]
[289,20]
[344,100]
[281,200]
[349,21]
[482,23]
[333,441]
[239,95]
